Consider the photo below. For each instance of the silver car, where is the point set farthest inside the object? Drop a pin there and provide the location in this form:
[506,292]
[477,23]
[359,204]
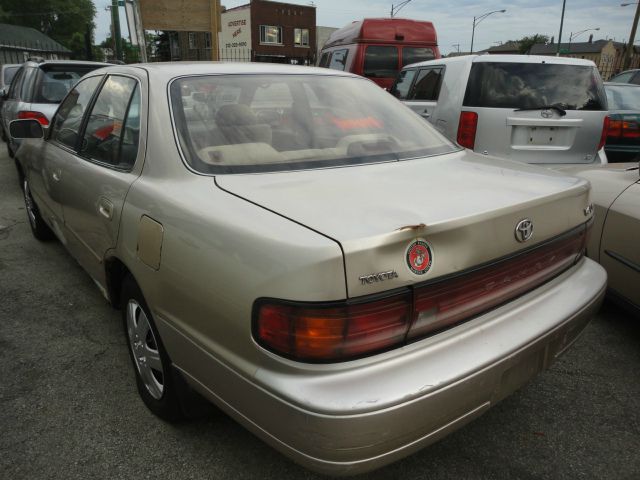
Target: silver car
[528,108]
[37,89]
[302,250]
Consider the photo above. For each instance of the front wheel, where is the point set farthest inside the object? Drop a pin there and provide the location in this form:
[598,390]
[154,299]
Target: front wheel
[38,226]
[151,364]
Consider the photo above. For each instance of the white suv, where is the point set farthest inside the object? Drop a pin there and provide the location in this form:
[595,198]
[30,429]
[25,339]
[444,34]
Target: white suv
[533,109]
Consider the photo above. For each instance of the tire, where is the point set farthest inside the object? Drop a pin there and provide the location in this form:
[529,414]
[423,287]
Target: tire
[38,226]
[151,364]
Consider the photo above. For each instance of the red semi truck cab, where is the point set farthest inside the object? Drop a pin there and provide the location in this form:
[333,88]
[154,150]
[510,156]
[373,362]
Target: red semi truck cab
[378,48]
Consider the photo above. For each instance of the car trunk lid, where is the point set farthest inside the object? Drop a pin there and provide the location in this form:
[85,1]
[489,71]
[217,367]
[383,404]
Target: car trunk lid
[463,206]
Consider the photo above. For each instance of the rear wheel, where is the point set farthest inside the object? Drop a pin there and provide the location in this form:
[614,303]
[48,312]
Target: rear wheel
[38,226]
[151,364]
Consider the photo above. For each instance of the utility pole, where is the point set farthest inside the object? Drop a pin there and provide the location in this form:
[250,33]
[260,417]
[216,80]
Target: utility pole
[115,20]
[564,4]
[629,51]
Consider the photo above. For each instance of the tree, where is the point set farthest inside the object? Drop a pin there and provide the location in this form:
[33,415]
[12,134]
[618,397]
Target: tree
[59,19]
[527,42]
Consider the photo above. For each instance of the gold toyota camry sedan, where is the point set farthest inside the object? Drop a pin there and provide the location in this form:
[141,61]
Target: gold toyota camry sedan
[307,253]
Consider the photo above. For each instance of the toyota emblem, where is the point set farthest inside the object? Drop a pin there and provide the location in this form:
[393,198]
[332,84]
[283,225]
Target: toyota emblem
[524,230]
[546,113]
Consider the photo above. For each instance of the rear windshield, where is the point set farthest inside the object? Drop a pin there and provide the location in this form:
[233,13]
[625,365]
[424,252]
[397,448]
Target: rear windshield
[9,73]
[54,81]
[531,85]
[257,123]
[623,98]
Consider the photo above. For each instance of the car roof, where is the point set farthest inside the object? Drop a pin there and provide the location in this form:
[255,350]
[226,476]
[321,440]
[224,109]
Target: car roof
[34,63]
[169,70]
[621,84]
[504,59]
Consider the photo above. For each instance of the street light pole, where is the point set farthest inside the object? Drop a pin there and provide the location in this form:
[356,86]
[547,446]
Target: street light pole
[477,20]
[396,8]
[564,4]
[628,53]
[574,35]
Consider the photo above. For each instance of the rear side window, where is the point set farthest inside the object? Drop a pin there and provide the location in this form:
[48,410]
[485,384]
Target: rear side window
[16,84]
[380,61]
[339,59]
[28,79]
[108,124]
[427,86]
[532,85]
[54,81]
[401,88]
[416,54]
[623,98]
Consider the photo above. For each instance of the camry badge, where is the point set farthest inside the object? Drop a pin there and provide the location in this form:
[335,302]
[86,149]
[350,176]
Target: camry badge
[524,230]
[419,257]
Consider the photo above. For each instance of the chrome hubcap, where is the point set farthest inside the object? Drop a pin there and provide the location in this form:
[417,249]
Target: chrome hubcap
[144,347]
[28,201]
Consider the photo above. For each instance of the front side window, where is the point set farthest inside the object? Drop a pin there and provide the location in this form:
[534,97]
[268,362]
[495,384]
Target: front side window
[401,88]
[114,117]
[416,54]
[622,78]
[301,37]
[427,86]
[68,119]
[270,34]
[339,59]
[534,85]
[324,60]
[380,62]
[257,123]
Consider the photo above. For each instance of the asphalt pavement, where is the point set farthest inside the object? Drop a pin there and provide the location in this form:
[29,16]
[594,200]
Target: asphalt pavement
[69,407]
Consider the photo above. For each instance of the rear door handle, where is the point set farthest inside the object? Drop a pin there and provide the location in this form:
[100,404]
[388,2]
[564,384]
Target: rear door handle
[105,208]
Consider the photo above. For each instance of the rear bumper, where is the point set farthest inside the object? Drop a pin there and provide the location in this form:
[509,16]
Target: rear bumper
[371,412]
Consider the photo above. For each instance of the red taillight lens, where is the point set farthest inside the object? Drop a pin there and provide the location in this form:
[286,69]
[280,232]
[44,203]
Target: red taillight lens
[614,130]
[447,303]
[344,330]
[28,114]
[335,332]
[605,132]
[467,129]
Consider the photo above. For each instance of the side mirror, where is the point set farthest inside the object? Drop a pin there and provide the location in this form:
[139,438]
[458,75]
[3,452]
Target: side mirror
[28,128]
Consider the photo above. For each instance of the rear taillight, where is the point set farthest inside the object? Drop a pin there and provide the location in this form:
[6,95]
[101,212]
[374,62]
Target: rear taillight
[467,127]
[623,126]
[346,330]
[605,132]
[39,116]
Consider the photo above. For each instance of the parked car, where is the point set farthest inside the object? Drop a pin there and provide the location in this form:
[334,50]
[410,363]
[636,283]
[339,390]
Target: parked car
[614,239]
[628,76]
[7,71]
[377,48]
[623,135]
[37,89]
[528,108]
[302,250]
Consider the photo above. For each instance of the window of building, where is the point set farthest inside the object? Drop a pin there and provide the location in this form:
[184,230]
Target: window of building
[207,40]
[271,34]
[301,37]
[192,41]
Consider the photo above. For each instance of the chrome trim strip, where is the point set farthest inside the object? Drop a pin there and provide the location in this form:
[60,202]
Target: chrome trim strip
[623,260]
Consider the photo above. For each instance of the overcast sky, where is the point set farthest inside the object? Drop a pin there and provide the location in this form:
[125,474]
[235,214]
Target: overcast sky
[453,20]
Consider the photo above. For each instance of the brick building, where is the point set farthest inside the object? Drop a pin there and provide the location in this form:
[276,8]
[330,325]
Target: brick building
[265,31]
